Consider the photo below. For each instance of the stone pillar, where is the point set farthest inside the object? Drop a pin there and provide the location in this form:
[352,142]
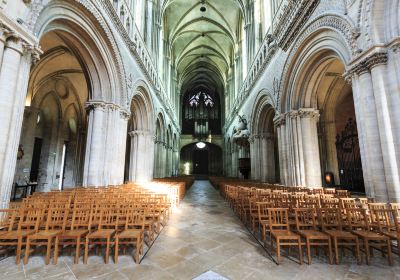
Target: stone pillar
[280,123]
[14,77]
[149,25]
[375,127]
[3,38]
[309,135]
[93,174]
[263,158]
[379,74]
[139,158]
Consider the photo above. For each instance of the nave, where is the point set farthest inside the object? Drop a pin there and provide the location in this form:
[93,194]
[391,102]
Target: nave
[202,240]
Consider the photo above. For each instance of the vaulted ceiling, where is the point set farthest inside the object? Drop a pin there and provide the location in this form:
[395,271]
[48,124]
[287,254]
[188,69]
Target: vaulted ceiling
[202,43]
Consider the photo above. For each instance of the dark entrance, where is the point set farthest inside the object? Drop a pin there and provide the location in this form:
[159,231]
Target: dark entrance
[37,150]
[200,161]
[349,159]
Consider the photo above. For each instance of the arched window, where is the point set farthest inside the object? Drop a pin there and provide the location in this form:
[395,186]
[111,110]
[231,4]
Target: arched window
[115,2]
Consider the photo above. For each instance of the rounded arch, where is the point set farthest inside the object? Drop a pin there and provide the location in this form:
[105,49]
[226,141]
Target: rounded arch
[142,110]
[95,46]
[160,128]
[329,33]
[263,99]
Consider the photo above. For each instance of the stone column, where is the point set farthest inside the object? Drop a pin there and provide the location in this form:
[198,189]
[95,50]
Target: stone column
[149,25]
[3,38]
[280,122]
[14,77]
[263,158]
[139,167]
[309,135]
[93,174]
[384,106]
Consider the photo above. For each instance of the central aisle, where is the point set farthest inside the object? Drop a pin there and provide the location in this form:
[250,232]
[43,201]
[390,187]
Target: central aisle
[204,234]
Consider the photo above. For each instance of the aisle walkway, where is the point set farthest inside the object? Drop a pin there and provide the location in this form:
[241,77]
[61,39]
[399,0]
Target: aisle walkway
[203,237]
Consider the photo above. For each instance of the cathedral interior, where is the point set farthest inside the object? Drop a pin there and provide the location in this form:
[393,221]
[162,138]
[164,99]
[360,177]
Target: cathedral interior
[200,139]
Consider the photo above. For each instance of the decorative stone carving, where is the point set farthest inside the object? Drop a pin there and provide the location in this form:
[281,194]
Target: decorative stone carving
[367,63]
[309,113]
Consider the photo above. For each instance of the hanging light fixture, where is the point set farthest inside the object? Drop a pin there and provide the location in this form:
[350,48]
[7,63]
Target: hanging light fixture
[200,145]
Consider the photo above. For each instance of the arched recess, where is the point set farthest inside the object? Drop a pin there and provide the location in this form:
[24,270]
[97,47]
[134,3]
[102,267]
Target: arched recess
[169,149]
[201,161]
[138,167]
[264,145]
[66,73]
[319,113]
[95,43]
[160,147]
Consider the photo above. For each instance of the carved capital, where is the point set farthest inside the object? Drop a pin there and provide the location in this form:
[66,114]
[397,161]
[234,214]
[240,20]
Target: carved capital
[293,114]
[125,114]
[376,59]
[279,120]
[309,113]
[365,65]
[95,105]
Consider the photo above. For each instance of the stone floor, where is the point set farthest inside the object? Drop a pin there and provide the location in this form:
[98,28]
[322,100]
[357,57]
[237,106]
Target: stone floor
[203,240]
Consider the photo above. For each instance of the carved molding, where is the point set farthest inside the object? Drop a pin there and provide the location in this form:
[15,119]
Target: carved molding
[365,65]
[309,113]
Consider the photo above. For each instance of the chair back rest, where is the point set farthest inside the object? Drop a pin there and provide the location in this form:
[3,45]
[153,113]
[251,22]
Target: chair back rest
[8,219]
[278,219]
[306,218]
[81,218]
[30,219]
[56,218]
[330,218]
[356,219]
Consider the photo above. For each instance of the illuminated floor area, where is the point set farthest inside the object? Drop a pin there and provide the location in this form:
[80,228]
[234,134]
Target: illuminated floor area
[203,240]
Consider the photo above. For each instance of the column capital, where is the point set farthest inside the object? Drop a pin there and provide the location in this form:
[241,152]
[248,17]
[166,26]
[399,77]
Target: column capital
[279,120]
[396,47]
[14,42]
[365,65]
[95,105]
[139,132]
[125,114]
[309,113]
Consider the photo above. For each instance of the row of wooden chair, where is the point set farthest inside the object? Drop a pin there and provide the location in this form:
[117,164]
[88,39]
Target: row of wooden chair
[112,216]
[325,219]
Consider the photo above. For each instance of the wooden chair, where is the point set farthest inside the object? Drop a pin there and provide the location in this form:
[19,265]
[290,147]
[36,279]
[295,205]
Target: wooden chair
[74,232]
[28,222]
[107,223]
[263,218]
[133,233]
[388,224]
[357,222]
[306,227]
[55,225]
[331,223]
[280,232]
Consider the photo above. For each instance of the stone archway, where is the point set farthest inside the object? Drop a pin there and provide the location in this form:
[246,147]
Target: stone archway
[138,167]
[263,142]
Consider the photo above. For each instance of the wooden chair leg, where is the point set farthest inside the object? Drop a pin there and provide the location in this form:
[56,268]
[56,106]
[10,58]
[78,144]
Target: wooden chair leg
[85,257]
[48,252]
[56,242]
[300,252]
[77,250]
[358,251]
[116,250]
[137,250]
[367,252]
[27,249]
[308,251]
[19,249]
[278,251]
[107,250]
[390,256]
[336,250]
[330,251]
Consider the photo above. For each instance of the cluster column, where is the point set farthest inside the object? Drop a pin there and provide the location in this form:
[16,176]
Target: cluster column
[139,158]
[16,57]
[376,98]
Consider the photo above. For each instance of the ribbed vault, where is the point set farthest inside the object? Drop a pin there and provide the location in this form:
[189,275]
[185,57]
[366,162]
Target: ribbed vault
[202,43]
